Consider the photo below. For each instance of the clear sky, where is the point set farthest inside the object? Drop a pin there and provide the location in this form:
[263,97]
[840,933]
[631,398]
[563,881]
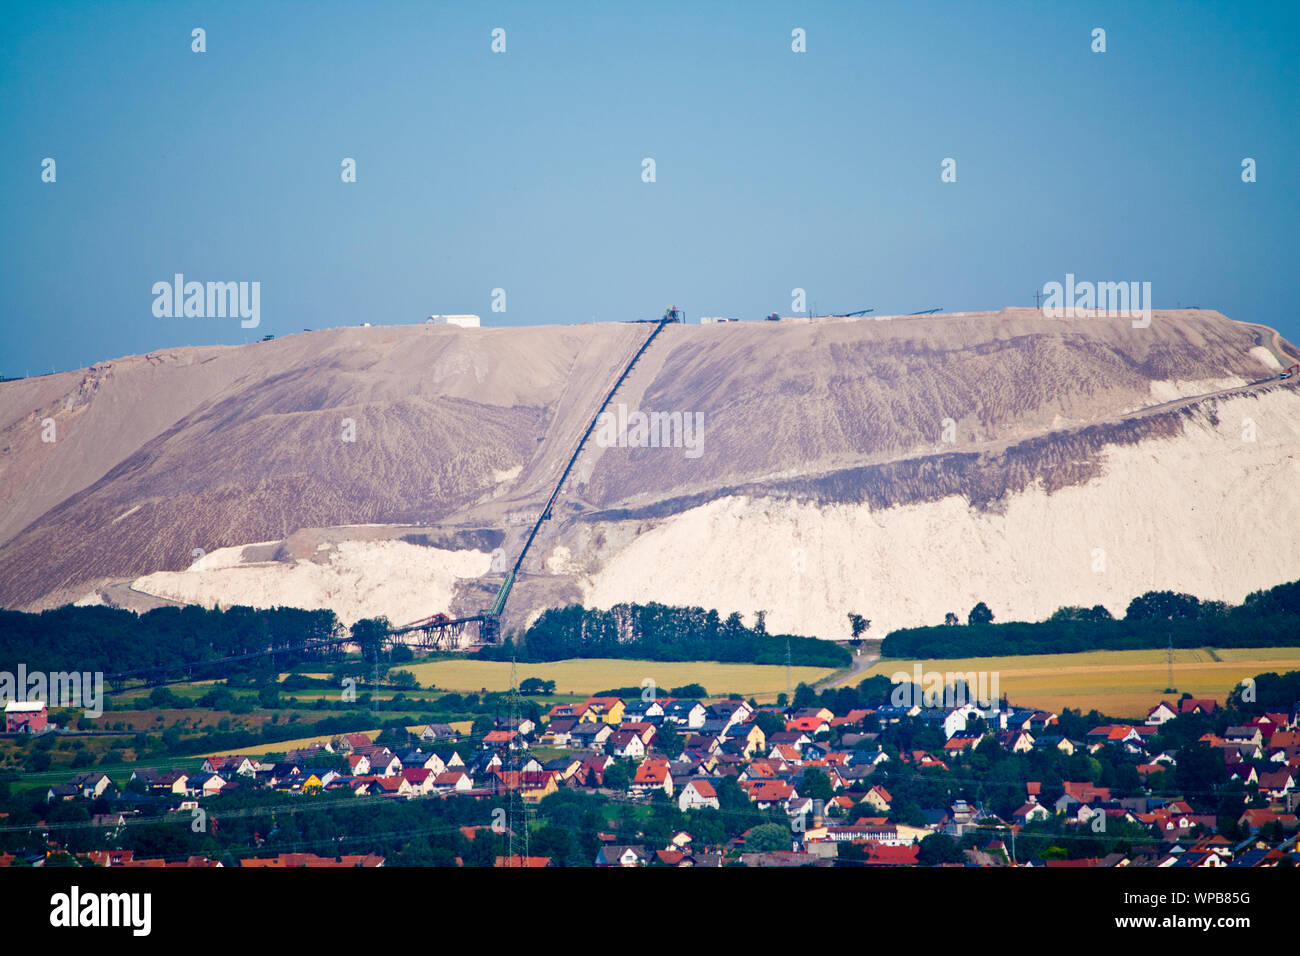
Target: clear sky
[522,170]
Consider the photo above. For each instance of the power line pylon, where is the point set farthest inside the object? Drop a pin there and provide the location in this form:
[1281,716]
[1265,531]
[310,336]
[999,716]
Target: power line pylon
[517,835]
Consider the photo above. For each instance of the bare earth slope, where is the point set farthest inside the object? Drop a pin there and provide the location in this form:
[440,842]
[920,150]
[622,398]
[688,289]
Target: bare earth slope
[901,468]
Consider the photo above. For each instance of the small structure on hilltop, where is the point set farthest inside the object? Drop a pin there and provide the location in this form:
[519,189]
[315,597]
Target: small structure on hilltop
[464,321]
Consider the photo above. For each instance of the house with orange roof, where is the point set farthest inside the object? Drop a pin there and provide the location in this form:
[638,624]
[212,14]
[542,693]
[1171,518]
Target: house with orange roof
[961,742]
[358,764]
[1282,739]
[533,785]
[1017,741]
[652,775]
[523,862]
[1114,734]
[843,801]
[785,753]
[571,711]
[696,794]
[352,742]
[879,798]
[1256,817]
[884,854]
[853,718]
[1084,792]
[762,769]
[608,710]
[808,725]
[769,793]
[294,860]
[502,740]
[394,786]
[923,760]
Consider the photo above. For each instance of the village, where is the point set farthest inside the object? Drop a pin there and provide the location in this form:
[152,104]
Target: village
[1196,784]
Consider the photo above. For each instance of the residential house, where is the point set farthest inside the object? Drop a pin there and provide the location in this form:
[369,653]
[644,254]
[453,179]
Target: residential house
[627,745]
[696,794]
[502,740]
[444,732]
[590,735]
[91,784]
[1277,783]
[26,716]
[648,711]
[608,710]
[452,781]
[689,714]
[651,775]
[620,855]
[878,798]
[769,793]
[1160,713]
[558,732]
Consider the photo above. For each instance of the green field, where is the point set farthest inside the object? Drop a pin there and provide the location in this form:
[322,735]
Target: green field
[582,677]
[1117,683]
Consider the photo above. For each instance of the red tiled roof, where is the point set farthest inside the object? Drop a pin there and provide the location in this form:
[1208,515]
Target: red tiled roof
[311,859]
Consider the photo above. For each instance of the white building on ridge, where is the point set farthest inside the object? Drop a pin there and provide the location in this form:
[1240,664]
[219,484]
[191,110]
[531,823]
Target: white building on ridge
[464,321]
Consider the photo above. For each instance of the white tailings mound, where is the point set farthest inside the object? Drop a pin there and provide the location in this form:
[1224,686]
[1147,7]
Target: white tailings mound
[1172,389]
[1208,513]
[361,579]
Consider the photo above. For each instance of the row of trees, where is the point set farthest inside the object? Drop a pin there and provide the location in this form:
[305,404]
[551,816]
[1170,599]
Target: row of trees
[112,640]
[1269,618]
[662,633]
[979,614]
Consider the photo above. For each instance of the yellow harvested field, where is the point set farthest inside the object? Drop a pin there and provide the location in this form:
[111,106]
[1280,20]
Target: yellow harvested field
[284,746]
[589,676]
[1117,683]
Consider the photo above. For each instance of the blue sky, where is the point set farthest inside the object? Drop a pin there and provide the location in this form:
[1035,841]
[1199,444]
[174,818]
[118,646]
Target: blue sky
[522,170]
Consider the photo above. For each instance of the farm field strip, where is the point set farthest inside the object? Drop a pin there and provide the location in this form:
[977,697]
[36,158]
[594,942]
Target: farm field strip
[1117,683]
[586,676]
